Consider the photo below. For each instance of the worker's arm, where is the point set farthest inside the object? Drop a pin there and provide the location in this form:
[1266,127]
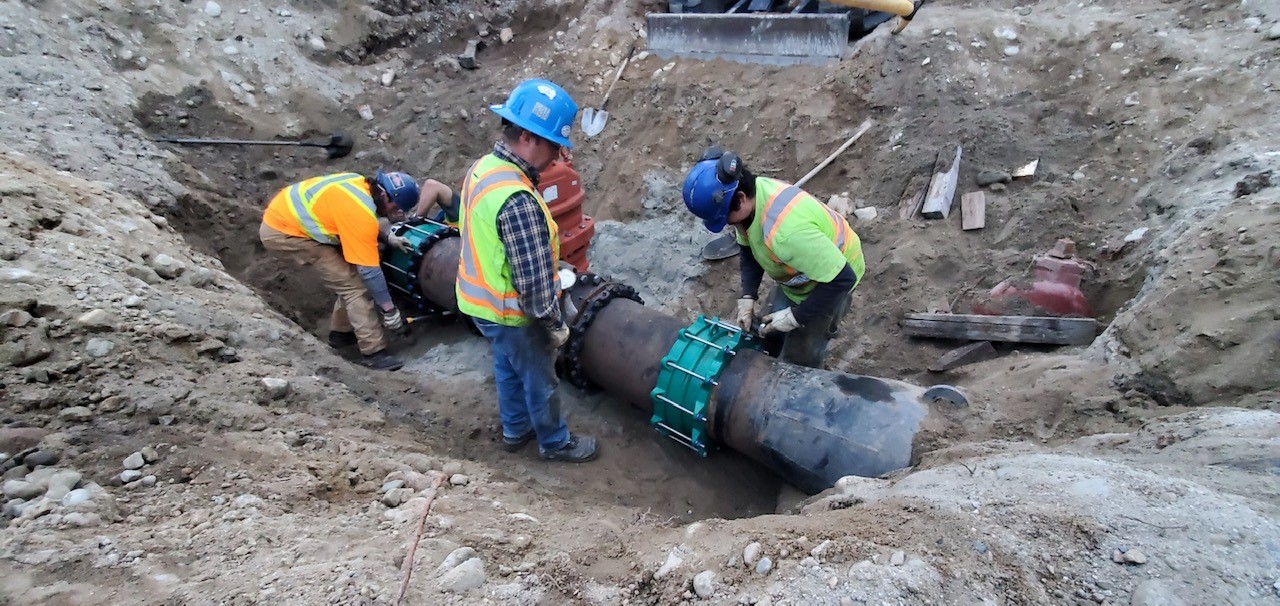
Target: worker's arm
[751,271]
[376,283]
[812,253]
[522,226]
[435,193]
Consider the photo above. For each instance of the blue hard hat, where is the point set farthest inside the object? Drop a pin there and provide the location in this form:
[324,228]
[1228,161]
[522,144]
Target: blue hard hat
[707,196]
[542,108]
[401,188]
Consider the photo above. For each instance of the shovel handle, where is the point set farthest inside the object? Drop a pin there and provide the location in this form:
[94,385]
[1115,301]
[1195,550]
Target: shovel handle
[617,76]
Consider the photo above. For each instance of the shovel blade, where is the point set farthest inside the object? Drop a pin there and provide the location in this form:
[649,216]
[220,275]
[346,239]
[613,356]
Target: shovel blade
[593,121]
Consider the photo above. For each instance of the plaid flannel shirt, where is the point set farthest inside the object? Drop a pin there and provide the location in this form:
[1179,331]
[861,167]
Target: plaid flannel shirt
[522,226]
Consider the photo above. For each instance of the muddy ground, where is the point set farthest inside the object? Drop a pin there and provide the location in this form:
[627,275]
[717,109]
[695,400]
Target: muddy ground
[140,315]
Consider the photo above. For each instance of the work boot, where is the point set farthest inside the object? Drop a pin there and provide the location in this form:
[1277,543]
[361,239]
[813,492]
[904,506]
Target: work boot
[515,444]
[381,361]
[339,340]
[579,449]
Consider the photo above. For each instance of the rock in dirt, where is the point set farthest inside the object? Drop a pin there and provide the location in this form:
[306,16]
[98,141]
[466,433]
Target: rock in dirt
[898,558]
[464,577]
[130,475]
[76,414]
[764,566]
[751,554]
[97,320]
[16,318]
[149,454]
[148,480]
[16,275]
[41,457]
[455,559]
[24,352]
[99,348]
[506,35]
[1129,556]
[134,461]
[167,267]
[704,584]
[316,43]
[458,479]
[213,9]
[866,214]
[275,388]
[61,484]
[988,177]
[451,468]
[1274,32]
[673,562]
[395,497]
[21,489]
[77,497]
[82,520]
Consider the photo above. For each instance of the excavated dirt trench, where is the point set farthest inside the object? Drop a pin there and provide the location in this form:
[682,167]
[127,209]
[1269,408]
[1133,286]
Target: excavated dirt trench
[658,126]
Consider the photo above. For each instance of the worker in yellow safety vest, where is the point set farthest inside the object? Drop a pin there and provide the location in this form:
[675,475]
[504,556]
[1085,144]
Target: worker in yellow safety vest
[507,279]
[330,224]
[807,248]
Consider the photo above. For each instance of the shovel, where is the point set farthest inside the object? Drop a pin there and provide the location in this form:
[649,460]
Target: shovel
[339,145]
[593,120]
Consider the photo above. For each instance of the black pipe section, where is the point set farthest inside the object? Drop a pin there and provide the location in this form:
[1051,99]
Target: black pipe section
[810,426]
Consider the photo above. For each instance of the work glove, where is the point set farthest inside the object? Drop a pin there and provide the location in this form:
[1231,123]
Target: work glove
[401,243]
[559,336]
[746,312]
[391,320]
[780,322]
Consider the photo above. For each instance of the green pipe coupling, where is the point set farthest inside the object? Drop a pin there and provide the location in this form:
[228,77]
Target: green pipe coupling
[688,375]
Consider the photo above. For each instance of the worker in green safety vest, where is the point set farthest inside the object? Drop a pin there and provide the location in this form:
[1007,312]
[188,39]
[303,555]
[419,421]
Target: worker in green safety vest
[807,248]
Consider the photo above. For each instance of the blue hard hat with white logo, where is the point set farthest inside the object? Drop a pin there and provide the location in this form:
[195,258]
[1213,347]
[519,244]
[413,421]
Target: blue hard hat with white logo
[400,187]
[707,194]
[542,108]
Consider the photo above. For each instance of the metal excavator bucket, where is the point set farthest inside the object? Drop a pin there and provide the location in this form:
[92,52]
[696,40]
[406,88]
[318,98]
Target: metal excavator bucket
[767,32]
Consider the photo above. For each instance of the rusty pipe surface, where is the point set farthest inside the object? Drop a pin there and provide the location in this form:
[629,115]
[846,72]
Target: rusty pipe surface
[439,272]
[810,426]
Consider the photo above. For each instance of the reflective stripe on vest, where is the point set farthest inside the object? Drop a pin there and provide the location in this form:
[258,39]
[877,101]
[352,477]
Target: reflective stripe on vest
[303,197]
[776,209]
[481,293]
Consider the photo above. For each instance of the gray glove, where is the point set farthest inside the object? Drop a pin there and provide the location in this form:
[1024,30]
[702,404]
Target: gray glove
[401,243]
[391,320]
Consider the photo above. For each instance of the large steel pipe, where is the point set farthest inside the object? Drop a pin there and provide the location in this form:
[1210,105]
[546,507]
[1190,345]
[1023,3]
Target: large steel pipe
[810,426]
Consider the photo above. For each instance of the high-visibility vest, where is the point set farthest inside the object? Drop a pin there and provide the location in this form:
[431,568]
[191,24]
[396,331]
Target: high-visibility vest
[484,287]
[310,208]
[781,207]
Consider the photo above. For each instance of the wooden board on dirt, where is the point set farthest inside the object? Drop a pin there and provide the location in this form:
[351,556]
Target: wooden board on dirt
[942,188]
[960,356]
[913,196]
[973,211]
[1013,329]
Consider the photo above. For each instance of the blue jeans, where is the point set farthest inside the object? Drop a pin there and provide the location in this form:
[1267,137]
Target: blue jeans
[524,369]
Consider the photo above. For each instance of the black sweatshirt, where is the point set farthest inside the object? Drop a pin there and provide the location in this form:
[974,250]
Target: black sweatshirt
[820,302]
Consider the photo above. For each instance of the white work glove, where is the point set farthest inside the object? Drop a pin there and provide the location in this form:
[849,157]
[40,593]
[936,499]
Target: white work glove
[391,320]
[780,322]
[559,336]
[401,243]
[746,313]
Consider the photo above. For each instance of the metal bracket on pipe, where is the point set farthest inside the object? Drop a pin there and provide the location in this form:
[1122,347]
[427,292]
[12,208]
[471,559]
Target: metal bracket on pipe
[688,375]
[402,267]
[604,292]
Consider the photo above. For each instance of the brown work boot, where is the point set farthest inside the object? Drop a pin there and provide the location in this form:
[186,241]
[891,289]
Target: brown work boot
[381,361]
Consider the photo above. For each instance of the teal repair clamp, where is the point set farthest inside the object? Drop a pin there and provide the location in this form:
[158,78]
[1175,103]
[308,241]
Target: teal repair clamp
[687,376]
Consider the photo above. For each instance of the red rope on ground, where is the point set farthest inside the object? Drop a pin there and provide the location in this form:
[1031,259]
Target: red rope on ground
[417,536]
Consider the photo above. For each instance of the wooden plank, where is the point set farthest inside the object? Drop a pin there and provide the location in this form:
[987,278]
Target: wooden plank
[942,189]
[973,210]
[969,354]
[913,196]
[1015,329]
